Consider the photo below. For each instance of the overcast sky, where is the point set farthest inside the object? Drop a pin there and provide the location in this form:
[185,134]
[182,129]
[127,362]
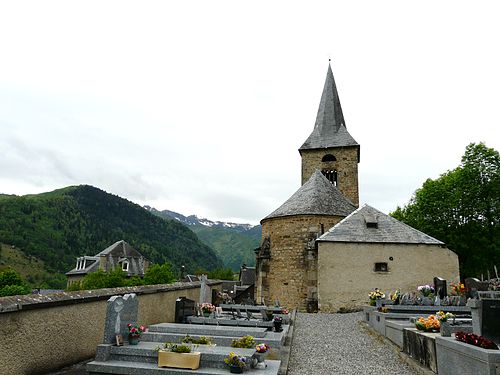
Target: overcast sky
[200,106]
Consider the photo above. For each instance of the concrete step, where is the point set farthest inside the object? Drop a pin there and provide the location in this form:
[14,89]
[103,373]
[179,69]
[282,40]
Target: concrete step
[208,330]
[139,368]
[275,340]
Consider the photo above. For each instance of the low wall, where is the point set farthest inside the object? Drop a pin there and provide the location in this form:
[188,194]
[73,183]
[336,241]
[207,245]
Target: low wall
[45,333]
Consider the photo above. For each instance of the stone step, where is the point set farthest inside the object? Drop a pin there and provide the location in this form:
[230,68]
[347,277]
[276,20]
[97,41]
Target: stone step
[274,339]
[139,368]
[144,352]
[241,322]
[208,330]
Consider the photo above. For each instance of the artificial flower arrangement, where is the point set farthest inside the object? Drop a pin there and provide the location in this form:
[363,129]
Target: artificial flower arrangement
[207,307]
[246,342]
[284,311]
[458,289]
[426,290]
[375,295]
[395,296]
[443,317]
[232,359]
[136,330]
[429,324]
[278,319]
[262,348]
[472,339]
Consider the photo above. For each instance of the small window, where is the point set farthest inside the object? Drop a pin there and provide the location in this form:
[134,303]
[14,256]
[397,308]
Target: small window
[381,267]
[329,157]
[125,266]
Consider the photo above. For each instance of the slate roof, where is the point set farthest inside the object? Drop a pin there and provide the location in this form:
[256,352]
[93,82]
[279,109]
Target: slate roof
[317,196]
[330,129]
[353,228]
[115,254]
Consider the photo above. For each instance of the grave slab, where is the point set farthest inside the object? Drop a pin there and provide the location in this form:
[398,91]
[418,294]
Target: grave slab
[458,358]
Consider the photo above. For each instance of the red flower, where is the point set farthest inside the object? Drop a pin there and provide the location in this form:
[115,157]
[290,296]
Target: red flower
[129,325]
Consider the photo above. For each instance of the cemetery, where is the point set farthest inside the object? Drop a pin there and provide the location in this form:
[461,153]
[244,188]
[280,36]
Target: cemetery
[446,334]
[204,339]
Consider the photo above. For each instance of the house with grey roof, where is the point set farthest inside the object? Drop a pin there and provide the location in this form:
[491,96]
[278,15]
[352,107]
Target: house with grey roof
[369,249]
[119,255]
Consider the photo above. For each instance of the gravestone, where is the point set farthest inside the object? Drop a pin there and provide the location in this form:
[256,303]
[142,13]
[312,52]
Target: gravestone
[184,307]
[204,290]
[120,311]
[474,285]
[485,313]
[440,287]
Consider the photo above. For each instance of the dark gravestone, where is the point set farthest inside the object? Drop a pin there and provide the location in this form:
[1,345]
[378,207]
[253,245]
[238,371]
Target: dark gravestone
[184,307]
[490,315]
[474,285]
[440,287]
[491,319]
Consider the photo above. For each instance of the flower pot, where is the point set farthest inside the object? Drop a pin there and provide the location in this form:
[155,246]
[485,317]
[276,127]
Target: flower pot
[206,314]
[133,339]
[261,357]
[235,369]
[179,360]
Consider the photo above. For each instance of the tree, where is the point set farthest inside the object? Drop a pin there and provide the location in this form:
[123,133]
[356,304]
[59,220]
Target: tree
[12,284]
[462,209]
[159,274]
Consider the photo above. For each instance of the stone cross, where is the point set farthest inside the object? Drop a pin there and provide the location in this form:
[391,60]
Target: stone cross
[120,311]
[204,290]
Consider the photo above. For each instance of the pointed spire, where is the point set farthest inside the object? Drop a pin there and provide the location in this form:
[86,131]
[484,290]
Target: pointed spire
[329,129]
[329,111]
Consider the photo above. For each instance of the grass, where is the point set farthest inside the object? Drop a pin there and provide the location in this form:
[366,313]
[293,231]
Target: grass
[30,268]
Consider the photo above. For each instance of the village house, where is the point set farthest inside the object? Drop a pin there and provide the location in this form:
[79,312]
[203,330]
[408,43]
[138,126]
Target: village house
[119,255]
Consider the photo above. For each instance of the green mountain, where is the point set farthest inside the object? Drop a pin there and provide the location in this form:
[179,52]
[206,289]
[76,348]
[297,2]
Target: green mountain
[58,226]
[234,243]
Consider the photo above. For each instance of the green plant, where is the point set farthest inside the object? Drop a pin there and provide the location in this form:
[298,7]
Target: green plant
[246,342]
[177,348]
[203,340]
[12,284]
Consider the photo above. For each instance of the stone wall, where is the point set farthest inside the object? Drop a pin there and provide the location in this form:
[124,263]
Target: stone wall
[45,333]
[290,274]
[346,270]
[346,167]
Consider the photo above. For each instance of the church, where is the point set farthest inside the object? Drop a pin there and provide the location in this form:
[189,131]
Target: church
[320,251]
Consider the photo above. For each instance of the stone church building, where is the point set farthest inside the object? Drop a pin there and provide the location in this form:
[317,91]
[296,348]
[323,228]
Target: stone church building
[320,251]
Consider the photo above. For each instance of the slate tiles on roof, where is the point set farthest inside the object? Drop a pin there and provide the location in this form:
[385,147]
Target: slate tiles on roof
[353,228]
[330,129]
[317,196]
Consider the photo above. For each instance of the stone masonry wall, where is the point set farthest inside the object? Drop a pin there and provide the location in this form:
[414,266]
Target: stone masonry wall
[42,333]
[346,271]
[346,167]
[287,277]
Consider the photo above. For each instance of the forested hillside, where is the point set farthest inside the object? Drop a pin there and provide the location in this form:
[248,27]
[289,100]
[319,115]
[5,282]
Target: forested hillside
[59,226]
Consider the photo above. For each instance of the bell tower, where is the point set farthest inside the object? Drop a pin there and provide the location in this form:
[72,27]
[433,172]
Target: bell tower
[330,148]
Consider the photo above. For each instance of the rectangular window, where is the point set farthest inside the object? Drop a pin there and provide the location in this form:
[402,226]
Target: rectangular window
[381,267]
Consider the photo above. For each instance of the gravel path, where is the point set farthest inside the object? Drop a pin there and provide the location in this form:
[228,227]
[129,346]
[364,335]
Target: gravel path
[336,344]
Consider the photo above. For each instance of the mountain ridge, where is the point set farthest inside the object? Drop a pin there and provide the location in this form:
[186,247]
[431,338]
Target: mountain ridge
[58,226]
[233,242]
